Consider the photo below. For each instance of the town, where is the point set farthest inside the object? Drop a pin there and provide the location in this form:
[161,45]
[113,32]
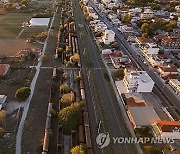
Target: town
[77,74]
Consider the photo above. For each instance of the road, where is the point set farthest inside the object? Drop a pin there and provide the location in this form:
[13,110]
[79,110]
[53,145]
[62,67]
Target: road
[28,101]
[126,48]
[94,82]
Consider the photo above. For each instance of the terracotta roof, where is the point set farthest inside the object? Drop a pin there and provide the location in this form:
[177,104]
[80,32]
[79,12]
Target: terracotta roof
[167,126]
[168,68]
[105,56]
[132,103]
[143,40]
[116,54]
[3,69]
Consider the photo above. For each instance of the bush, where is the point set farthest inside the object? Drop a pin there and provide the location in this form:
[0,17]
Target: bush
[23,93]
[119,73]
[79,149]
[67,98]
[44,58]
[65,88]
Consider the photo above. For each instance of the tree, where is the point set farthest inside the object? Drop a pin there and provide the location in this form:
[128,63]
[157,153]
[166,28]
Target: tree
[151,150]
[23,93]
[75,58]
[68,49]
[60,50]
[119,73]
[144,27]
[44,58]
[145,35]
[67,98]
[70,117]
[65,88]
[79,149]
[2,115]
[126,18]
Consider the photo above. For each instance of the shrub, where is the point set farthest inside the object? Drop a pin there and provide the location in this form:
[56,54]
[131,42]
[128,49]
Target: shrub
[23,93]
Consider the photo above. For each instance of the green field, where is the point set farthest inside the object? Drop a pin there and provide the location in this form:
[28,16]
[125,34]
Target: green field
[10,24]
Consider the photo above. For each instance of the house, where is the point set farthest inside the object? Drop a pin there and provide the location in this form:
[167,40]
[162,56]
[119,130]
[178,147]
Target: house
[134,100]
[2,101]
[167,70]
[106,52]
[138,81]
[168,43]
[118,59]
[142,116]
[166,129]
[175,84]
[108,37]
[178,22]
[147,14]
[4,68]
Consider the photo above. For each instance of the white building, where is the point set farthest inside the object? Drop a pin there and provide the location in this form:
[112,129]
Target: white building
[166,129]
[108,37]
[2,100]
[138,81]
[151,49]
[178,22]
[39,22]
[147,14]
[175,84]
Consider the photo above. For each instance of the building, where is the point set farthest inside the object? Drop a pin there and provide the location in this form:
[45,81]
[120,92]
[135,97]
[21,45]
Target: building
[168,43]
[147,14]
[166,129]
[39,22]
[28,52]
[175,84]
[142,116]
[106,51]
[2,101]
[4,68]
[167,70]
[108,37]
[118,59]
[138,81]
[134,100]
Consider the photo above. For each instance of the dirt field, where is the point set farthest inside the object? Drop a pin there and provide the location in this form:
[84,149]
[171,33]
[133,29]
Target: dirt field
[10,25]
[12,47]
[35,123]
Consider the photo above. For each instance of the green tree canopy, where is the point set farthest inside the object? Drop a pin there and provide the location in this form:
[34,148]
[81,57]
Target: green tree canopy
[70,117]
[23,93]
[67,98]
[79,149]
[119,73]
[65,88]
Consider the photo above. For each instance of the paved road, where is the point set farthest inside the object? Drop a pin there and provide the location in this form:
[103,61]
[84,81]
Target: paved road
[167,91]
[95,77]
[27,103]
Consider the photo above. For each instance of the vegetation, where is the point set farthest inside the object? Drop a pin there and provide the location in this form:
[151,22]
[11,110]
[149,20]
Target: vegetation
[126,18]
[23,93]
[151,150]
[79,149]
[119,73]
[70,117]
[75,58]
[67,98]
[65,88]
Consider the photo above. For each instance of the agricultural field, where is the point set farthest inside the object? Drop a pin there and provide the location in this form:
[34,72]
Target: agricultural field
[10,25]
